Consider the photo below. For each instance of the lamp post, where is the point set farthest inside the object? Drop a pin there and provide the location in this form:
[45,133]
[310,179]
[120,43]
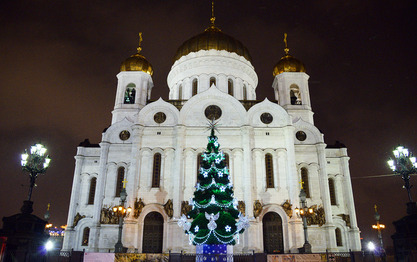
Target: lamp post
[404,164]
[379,228]
[121,212]
[303,212]
[371,248]
[34,163]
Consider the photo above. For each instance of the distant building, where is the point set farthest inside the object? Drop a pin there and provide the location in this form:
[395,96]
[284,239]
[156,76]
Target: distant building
[270,146]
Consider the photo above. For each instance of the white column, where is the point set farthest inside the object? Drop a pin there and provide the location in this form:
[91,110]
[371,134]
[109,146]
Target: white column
[187,89]
[99,195]
[75,194]
[239,181]
[190,172]
[355,243]
[178,169]
[295,224]
[168,178]
[325,196]
[259,175]
[222,83]
[283,182]
[133,177]
[238,89]
[203,83]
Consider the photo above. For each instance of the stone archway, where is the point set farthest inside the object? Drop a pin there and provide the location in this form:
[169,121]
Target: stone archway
[153,233]
[272,233]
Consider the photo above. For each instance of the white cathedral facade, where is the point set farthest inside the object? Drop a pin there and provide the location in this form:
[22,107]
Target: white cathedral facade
[270,146]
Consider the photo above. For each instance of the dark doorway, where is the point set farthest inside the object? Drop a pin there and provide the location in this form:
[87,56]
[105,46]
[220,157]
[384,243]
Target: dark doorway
[153,231]
[272,232]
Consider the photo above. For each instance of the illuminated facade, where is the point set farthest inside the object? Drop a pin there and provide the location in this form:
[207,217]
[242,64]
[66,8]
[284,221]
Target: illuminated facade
[270,147]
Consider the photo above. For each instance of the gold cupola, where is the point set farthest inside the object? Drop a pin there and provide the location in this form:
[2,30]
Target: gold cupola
[137,62]
[288,63]
[212,38]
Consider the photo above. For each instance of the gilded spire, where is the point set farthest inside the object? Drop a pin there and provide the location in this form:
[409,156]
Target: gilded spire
[213,18]
[140,42]
[287,50]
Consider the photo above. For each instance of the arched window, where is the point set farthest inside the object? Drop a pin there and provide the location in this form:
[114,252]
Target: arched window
[269,168]
[195,86]
[86,236]
[119,181]
[245,93]
[332,192]
[130,94]
[295,95]
[212,81]
[92,192]
[304,179]
[230,87]
[180,92]
[339,241]
[156,174]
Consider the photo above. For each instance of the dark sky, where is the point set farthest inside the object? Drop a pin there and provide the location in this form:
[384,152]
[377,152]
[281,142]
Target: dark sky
[59,60]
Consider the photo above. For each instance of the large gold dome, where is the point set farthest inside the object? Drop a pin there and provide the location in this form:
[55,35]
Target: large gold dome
[212,38]
[137,62]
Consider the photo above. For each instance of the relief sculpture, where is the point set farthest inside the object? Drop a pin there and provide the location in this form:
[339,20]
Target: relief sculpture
[138,207]
[169,208]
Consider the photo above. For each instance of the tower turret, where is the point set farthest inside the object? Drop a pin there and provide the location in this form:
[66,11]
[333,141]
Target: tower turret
[134,85]
[291,86]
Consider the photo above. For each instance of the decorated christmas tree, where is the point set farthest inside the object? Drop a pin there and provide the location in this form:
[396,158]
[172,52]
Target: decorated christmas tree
[215,216]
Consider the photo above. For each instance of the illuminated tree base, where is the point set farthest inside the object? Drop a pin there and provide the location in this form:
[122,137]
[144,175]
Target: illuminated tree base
[219,253]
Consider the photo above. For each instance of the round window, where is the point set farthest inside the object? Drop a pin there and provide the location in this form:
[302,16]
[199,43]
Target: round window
[159,117]
[124,135]
[213,112]
[301,136]
[266,118]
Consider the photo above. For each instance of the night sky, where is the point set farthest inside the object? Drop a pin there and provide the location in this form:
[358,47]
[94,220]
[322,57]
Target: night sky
[59,60]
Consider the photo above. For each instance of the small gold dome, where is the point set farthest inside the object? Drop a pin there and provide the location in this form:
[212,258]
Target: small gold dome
[212,38]
[137,62]
[288,63]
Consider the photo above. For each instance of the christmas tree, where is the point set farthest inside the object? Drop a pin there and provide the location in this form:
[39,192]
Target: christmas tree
[215,216]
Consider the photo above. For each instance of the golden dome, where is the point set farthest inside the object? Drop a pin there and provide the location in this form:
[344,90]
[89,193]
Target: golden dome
[137,62]
[212,38]
[288,63]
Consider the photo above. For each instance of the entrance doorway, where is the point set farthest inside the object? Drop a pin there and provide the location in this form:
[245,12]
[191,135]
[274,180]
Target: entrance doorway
[272,232]
[153,231]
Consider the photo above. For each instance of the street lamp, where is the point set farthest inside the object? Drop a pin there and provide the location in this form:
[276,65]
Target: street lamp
[303,212]
[403,164]
[379,228]
[34,163]
[121,212]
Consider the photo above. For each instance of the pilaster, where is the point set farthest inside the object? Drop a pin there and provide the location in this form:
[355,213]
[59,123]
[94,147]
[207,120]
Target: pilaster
[325,196]
[99,195]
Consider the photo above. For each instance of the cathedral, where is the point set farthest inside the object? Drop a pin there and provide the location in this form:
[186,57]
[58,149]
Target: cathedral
[152,151]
